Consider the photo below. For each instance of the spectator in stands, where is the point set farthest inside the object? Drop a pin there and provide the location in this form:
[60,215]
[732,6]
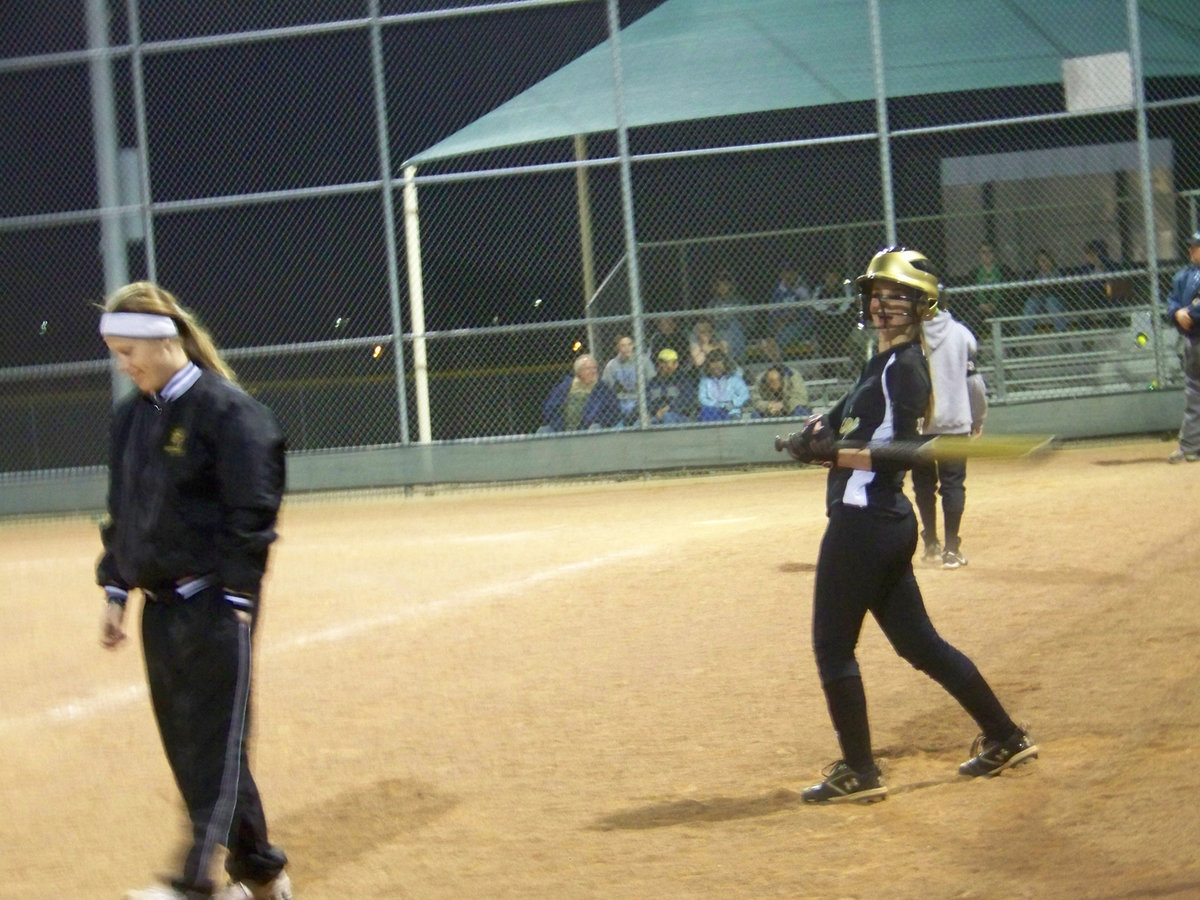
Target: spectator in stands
[723,301]
[705,338]
[987,302]
[1096,258]
[621,374]
[833,303]
[722,393]
[581,402]
[787,325]
[779,392]
[1094,294]
[1043,300]
[671,395]
[667,334]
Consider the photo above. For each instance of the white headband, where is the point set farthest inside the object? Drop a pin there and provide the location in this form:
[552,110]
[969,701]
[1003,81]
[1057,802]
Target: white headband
[137,325]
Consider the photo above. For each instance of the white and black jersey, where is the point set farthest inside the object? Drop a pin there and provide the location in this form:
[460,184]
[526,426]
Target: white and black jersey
[886,404]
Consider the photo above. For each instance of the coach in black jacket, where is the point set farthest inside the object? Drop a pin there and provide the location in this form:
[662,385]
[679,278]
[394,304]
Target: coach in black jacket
[196,477]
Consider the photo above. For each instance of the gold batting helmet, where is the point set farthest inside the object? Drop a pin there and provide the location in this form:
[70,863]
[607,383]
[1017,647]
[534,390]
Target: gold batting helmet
[909,268]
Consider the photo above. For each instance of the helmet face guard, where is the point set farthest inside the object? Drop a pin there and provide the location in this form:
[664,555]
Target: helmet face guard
[907,268]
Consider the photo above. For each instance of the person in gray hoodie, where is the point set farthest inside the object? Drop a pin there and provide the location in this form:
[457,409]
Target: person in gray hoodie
[959,407]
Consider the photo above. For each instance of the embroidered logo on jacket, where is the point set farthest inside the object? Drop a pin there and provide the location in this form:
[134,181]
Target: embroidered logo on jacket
[175,442]
[848,425]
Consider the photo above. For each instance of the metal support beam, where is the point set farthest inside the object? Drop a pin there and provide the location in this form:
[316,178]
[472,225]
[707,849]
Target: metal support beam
[108,178]
[881,125]
[389,220]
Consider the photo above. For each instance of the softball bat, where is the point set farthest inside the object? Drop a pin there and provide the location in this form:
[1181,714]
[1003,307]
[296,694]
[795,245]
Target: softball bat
[952,447]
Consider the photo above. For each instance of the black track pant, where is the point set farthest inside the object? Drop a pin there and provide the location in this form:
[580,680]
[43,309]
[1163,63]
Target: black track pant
[948,476]
[865,565]
[198,666]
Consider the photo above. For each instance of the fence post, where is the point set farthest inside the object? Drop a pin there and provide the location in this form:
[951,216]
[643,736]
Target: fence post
[1143,142]
[881,125]
[631,249]
[416,303]
[583,201]
[389,219]
[141,153]
[104,139]
[998,359]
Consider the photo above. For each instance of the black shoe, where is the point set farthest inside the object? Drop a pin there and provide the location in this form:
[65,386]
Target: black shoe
[843,784]
[953,559]
[990,757]
[933,552]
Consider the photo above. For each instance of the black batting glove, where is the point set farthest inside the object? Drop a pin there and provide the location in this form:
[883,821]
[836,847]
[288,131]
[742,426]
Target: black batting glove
[821,444]
[814,444]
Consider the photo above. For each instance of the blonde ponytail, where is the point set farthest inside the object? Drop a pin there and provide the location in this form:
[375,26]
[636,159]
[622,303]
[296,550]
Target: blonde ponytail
[146,297]
[925,351]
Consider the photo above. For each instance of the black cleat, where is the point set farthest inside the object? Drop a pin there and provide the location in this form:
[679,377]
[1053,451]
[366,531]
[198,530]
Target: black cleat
[843,784]
[990,757]
[953,559]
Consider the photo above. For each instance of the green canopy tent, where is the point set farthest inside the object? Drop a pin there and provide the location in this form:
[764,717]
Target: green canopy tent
[698,59]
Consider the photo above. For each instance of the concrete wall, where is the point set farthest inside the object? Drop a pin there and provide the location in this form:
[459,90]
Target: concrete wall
[532,458]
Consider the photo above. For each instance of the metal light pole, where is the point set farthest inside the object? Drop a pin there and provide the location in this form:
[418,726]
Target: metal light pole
[104,138]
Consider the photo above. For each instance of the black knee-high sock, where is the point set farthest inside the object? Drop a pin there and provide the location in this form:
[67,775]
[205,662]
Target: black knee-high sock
[977,698]
[953,521]
[927,508]
[848,709]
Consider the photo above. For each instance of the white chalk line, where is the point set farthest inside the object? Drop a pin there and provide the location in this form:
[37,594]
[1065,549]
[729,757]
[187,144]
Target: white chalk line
[114,698]
[453,602]
[443,539]
[51,562]
[86,561]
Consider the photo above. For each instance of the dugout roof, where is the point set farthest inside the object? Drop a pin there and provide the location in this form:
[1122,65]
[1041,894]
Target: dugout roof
[698,59]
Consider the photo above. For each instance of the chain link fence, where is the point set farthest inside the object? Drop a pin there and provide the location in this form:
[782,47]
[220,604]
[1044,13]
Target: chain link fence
[255,159]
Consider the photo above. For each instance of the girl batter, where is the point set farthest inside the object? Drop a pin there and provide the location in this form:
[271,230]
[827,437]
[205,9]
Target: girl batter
[865,560]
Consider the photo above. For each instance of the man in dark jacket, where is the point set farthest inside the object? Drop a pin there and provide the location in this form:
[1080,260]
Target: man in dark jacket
[581,402]
[671,396]
[1183,309]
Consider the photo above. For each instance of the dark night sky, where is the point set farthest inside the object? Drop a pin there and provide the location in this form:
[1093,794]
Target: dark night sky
[280,115]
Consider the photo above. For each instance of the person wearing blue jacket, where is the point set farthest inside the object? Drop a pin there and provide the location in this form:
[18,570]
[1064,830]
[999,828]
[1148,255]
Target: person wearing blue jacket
[1183,309]
[722,393]
[581,402]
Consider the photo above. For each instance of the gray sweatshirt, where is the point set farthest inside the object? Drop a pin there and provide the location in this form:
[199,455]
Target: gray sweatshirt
[959,394]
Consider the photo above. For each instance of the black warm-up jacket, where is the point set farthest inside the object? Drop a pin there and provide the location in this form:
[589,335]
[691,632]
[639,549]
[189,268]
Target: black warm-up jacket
[195,485]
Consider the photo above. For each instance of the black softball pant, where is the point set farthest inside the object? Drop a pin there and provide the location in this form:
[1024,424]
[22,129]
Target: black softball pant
[949,476]
[865,565]
[198,666]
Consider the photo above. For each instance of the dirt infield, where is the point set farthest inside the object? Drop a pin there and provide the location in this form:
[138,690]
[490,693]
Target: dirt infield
[607,691]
